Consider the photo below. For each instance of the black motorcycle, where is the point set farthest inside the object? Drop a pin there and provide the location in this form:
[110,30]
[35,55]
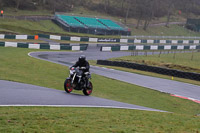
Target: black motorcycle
[76,81]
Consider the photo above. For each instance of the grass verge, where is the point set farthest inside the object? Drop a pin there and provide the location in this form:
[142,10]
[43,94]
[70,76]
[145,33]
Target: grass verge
[172,30]
[90,120]
[188,62]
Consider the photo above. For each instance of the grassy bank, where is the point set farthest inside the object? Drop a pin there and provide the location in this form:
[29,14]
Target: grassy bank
[172,30]
[30,27]
[90,120]
[188,62]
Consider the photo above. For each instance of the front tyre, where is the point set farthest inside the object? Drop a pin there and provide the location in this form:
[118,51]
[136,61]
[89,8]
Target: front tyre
[67,86]
[88,90]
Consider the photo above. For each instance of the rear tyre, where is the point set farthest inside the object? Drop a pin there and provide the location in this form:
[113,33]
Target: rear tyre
[67,86]
[88,90]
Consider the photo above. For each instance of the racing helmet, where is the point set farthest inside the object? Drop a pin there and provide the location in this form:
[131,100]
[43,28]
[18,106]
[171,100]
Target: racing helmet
[82,58]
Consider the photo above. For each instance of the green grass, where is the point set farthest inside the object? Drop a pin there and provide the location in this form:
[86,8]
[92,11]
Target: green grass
[17,66]
[182,61]
[172,30]
[30,27]
[93,120]
[14,12]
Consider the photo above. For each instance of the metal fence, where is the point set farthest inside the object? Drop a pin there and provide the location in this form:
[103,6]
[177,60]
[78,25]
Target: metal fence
[32,18]
[162,37]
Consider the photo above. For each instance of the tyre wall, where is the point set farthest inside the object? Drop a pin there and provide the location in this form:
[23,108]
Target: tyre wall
[159,70]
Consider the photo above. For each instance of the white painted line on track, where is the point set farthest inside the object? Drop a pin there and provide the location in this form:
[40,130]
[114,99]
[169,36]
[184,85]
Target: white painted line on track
[80,106]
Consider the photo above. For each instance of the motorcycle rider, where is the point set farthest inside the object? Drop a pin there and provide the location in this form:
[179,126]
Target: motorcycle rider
[83,64]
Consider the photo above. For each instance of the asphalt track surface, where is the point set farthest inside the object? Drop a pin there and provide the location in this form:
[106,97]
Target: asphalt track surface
[19,94]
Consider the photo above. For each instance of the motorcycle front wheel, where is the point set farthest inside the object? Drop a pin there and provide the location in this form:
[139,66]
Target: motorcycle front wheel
[87,91]
[67,86]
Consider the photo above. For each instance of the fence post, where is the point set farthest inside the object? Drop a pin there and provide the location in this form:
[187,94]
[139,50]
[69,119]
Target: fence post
[159,54]
[174,54]
[192,55]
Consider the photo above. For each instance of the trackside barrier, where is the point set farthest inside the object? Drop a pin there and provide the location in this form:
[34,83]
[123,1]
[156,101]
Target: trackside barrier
[24,37]
[91,39]
[118,40]
[165,71]
[149,47]
[45,46]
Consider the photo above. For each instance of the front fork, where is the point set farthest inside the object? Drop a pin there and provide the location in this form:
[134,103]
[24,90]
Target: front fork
[73,78]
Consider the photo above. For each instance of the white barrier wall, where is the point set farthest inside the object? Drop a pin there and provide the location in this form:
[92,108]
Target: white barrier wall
[124,40]
[163,41]
[180,47]
[55,37]
[10,44]
[75,47]
[106,48]
[167,47]
[2,36]
[139,47]
[124,48]
[93,39]
[55,47]
[154,47]
[34,46]
[75,39]
[150,41]
[137,41]
[24,37]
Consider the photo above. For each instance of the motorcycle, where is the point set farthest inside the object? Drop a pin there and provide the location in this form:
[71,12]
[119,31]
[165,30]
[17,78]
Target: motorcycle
[76,81]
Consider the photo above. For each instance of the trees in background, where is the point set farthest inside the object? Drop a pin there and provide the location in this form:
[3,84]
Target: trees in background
[142,10]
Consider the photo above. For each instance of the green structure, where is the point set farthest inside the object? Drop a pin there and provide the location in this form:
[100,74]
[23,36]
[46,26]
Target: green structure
[193,24]
[90,25]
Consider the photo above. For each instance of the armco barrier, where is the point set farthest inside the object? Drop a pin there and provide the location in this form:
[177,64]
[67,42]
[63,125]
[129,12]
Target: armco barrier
[149,47]
[159,70]
[45,46]
[90,39]
[117,40]
[24,37]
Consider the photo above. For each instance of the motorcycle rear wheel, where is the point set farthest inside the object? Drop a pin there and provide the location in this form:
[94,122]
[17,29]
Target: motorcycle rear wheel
[88,90]
[67,86]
